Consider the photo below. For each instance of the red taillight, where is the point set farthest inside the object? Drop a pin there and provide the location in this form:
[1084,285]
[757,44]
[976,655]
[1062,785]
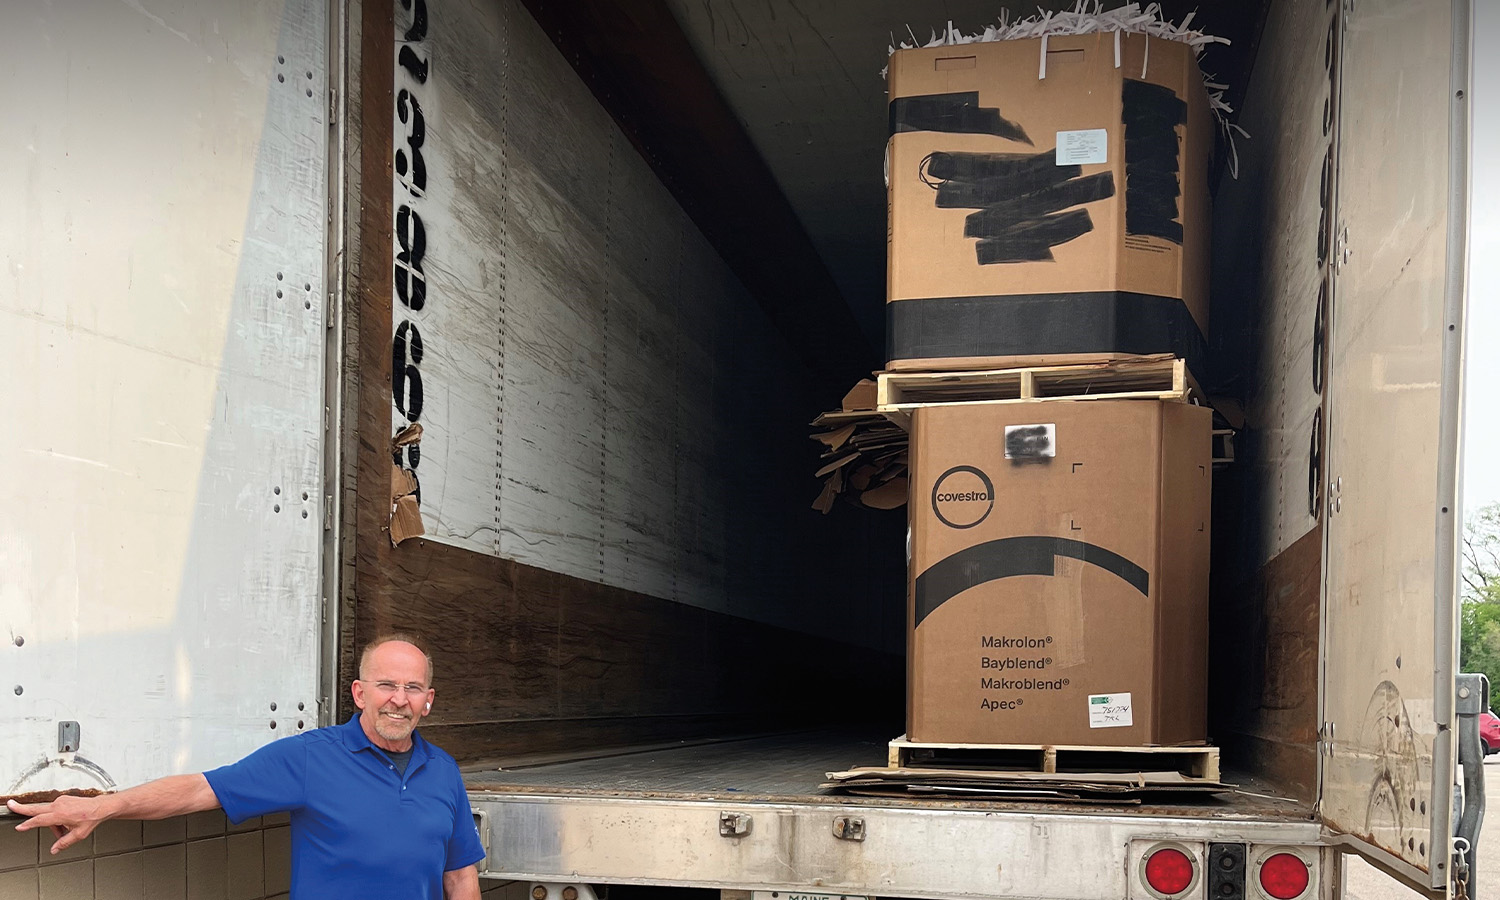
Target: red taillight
[1283,876]
[1169,871]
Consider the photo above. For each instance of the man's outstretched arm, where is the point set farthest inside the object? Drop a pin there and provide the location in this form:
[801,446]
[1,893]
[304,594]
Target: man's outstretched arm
[461,884]
[74,818]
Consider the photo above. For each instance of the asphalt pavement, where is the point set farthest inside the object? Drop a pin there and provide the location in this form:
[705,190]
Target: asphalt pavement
[1368,883]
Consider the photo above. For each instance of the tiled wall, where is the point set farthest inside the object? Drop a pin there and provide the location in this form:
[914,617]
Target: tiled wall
[197,857]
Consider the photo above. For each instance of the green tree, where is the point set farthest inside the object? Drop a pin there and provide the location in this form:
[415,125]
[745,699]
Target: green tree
[1479,615]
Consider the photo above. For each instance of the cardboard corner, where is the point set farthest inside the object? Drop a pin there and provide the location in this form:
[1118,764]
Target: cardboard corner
[406,514]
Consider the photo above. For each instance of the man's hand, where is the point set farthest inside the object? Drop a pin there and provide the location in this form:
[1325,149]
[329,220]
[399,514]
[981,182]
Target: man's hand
[461,884]
[71,818]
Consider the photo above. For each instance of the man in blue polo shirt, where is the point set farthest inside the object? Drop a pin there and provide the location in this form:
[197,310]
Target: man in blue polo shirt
[377,812]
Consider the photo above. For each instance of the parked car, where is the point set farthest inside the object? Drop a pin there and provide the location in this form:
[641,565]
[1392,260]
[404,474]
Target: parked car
[1489,731]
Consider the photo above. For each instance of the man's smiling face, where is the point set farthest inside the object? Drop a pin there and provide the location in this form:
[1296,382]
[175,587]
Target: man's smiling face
[392,694]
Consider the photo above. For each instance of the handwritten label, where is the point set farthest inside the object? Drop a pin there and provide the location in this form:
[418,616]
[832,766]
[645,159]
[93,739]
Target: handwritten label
[1030,441]
[1110,711]
[1081,148]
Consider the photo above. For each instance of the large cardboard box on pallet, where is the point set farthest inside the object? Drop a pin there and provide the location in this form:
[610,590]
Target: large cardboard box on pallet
[1058,580]
[1047,199]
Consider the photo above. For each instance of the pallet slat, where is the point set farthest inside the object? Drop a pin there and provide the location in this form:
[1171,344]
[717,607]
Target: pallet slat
[1200,762]
[1145,379]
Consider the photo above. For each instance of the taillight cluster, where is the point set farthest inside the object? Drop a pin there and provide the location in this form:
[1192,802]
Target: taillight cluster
[1172,871]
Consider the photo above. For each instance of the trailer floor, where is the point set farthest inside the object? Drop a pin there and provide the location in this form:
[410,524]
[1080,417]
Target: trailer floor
[789,768]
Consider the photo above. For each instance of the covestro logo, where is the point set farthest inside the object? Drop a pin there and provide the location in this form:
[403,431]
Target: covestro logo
[962,497]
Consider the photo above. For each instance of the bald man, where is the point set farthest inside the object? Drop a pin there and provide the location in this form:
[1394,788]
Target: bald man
[377,811]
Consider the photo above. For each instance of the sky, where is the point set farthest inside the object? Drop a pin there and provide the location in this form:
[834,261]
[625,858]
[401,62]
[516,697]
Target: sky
[1482,400]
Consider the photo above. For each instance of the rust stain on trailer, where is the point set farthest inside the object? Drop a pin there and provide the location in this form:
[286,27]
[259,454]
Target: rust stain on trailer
[49,796]
[70,761]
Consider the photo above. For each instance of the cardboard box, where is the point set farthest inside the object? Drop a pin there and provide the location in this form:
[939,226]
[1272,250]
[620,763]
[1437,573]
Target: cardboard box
[1047,199]
[1058,588]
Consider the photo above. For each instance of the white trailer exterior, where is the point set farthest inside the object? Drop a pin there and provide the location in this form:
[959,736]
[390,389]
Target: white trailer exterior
[186,198]
[165,308]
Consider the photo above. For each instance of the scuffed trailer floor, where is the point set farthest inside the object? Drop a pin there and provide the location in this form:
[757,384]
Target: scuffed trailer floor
[789,768]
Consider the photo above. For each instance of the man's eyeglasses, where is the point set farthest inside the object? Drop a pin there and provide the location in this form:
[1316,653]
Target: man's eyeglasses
[391,687]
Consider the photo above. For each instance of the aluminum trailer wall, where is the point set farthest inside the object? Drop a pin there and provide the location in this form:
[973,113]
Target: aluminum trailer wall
[162,322]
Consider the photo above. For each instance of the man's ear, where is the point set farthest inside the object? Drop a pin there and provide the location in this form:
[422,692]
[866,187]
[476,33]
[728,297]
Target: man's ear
[357,691]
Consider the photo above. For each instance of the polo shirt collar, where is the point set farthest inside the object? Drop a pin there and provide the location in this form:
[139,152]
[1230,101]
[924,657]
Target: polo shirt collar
[355,739]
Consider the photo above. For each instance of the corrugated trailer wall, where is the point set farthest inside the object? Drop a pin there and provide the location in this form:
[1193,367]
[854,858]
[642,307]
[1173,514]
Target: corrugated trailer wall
[1271,261]
[614,466]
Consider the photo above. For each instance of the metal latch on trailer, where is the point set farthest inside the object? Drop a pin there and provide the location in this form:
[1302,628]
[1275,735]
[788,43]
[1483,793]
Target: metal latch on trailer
[1473,701]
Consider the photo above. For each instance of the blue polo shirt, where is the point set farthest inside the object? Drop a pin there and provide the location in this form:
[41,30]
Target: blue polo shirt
[359,830]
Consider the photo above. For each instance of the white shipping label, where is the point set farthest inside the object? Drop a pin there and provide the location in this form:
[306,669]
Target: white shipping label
[1110,711]
[1080,148]
[1030,441]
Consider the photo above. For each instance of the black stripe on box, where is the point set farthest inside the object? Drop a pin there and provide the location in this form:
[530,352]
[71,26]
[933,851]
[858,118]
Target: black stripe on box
[1007,557]
[1043,324]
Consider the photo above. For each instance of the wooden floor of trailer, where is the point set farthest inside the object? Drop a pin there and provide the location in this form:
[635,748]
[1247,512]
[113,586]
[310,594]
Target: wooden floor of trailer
[790,768]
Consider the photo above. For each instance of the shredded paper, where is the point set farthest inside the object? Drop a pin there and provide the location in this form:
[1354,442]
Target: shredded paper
[1089,17]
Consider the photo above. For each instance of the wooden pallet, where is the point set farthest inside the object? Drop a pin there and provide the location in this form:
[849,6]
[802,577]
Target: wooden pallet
[1192,761]
[1155,378]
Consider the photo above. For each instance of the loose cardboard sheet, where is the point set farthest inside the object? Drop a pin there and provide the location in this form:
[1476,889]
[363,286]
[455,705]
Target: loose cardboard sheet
[865,456]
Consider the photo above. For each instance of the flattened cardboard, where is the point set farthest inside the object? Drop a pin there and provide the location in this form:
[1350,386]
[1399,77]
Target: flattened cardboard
[861,396]
[1035,583]
[1022,226]
[406,515]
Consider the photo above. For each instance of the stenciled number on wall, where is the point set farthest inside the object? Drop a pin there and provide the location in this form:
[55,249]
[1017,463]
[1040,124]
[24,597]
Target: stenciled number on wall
[410,281]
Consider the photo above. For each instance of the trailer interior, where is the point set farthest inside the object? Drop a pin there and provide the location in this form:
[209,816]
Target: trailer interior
[761,127]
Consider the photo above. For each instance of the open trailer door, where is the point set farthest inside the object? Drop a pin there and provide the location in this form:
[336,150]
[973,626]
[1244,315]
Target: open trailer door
[1394,422]
[163,336]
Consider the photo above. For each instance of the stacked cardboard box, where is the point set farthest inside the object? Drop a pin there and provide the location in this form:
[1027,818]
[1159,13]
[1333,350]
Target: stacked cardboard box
[1049,205]
[1048,199]
[1059,573]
